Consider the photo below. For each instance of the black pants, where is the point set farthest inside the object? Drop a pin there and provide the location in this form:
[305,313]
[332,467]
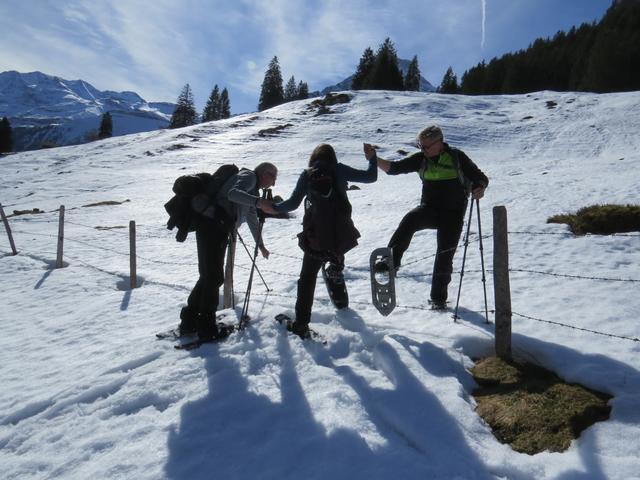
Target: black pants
[448,224]
[212,241]
[311,265]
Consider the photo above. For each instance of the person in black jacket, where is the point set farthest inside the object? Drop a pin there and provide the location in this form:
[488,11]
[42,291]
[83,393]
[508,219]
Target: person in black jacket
[448,178]
[237,201]
[328,231]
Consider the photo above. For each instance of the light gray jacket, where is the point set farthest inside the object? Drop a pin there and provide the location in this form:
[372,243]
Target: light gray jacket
[239,196]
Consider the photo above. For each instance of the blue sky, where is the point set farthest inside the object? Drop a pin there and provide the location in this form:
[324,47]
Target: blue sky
[155,47]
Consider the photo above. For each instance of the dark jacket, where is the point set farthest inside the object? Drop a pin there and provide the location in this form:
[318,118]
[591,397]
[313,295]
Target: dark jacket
[327,227]
[344,174]
[450,194]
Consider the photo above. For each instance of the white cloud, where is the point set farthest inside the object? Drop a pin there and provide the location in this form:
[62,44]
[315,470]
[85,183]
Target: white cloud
[156,47]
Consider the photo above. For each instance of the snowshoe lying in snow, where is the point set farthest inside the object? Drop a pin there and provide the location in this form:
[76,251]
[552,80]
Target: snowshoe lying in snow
[383,290]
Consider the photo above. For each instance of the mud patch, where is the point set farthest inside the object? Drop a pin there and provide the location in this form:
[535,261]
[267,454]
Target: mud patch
[106,202]
[17,213]
[273,131]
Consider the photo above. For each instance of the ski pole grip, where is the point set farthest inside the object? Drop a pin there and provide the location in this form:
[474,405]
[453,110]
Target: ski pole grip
[264,197]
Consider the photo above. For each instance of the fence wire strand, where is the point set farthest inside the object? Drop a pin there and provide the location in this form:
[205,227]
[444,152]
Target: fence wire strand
[327,300]
[612,335]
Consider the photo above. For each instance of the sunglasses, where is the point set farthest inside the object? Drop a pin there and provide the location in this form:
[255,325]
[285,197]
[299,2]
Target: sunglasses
[427,147]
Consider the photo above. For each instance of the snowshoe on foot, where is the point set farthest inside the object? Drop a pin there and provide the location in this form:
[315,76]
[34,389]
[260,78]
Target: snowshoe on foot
[438,304]
[207,327]
[188,322]
[300,329]
[337,289]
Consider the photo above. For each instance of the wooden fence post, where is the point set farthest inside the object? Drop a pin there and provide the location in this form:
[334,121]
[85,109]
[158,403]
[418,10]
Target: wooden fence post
[132,254]
[229,300]
[502,290]
[8,229]
[60,238]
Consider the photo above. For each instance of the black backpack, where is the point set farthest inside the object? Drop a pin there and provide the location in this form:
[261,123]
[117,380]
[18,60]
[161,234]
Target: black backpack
[327,227]
[181,213]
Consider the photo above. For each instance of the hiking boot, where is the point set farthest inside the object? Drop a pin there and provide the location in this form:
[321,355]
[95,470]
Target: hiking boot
[438,304]
[186,328]
[188,324]
[300,329]
[207,328]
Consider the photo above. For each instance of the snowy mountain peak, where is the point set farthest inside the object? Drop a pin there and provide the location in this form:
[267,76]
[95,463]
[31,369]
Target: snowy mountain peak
[425,85]
[49,110]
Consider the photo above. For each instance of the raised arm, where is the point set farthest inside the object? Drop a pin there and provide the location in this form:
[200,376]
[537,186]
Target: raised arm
[369,175]
[296,197]
[371,153]
[406,165]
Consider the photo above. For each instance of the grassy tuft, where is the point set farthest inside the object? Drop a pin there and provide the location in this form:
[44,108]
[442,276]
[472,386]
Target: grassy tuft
[602,219]
[531,408]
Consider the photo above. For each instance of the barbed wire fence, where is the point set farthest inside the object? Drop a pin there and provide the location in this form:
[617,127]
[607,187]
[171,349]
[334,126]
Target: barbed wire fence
[148,233]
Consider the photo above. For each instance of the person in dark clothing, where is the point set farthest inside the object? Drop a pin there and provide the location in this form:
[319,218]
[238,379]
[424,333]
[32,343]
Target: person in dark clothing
[235,202]
[328,236]
[448,178]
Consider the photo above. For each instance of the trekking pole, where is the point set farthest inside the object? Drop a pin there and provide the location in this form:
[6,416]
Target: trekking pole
[484,280]
[245,307]
[464,257]
[252,260]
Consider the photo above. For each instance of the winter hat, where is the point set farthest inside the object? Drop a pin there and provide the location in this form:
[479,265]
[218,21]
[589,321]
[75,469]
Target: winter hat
[434,132]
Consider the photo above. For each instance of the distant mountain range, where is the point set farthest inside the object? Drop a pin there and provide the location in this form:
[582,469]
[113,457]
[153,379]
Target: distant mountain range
[345,84]
[50,111]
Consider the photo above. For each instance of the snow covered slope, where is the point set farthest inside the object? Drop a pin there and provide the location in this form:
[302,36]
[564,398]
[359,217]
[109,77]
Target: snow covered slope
[87,391]
[47,110]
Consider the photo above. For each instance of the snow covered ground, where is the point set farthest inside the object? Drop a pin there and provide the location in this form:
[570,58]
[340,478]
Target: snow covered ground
[88,392]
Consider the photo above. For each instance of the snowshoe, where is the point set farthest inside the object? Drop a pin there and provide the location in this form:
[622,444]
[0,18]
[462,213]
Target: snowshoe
[223,331]
[337,289]
[302,331]
[383,292]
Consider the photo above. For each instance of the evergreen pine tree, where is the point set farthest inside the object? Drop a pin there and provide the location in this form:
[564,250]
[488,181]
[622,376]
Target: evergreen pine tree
[185,111]
[613,64]
[412,78]
[473,80]
[365,67]
[386,74]
[271,93]
[6,140]
[225,106]
[290,90]
[106,126]
[212,108]
[599,57]
[303,90]
[449,82]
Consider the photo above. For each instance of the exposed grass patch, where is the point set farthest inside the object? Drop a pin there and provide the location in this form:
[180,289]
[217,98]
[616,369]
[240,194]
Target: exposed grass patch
[531,408]
[602,219]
